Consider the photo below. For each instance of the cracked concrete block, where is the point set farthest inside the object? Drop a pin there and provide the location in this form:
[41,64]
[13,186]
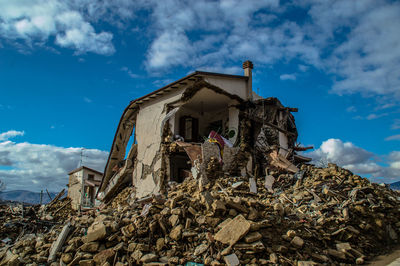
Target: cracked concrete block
[146,186]
[228,157]
[210,150]
[157,165]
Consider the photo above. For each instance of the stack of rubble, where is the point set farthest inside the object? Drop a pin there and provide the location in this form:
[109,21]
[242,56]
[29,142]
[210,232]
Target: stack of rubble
[58,210]
[19,221]
[326,216]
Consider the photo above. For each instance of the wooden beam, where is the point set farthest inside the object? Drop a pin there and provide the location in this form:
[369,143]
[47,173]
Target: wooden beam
[264,121]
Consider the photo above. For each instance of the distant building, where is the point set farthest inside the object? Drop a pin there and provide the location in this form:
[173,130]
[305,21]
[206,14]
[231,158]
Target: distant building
[82,187]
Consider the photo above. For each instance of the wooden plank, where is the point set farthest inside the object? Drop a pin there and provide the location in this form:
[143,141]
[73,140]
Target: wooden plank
[260,120]
[57,245]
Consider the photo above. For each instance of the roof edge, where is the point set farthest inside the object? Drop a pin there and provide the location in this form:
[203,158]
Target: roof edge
[84,167]
[200,73]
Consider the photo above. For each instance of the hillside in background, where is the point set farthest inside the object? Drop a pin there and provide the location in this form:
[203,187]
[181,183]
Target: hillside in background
[26,196]
[395,185]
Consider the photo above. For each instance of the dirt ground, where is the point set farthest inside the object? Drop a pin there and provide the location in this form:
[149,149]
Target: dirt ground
[387,258]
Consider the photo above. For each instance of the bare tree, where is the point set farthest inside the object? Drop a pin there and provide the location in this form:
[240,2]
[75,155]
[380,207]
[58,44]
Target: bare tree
[2,187]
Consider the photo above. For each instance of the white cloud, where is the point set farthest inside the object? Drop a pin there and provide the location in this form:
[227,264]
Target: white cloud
[38,166]
[129,72]
[396,124]
[351,109]
[394,137]
[355,41]
[10,134]
[88,100]
[368,60]
[39,20]
[376,116]
[358,160]
[303,68]
[287,77]
[169,49]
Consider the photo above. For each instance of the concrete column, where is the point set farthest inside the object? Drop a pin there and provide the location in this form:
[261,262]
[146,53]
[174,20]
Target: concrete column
[233,122]
[248,67]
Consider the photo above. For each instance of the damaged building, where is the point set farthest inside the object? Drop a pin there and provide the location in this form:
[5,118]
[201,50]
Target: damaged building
[83,185]
[201,125]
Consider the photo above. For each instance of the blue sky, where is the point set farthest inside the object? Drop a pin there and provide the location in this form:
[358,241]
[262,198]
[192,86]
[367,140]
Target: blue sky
[69,68]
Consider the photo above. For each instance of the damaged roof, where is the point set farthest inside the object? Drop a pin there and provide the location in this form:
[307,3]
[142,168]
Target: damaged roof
[133,107]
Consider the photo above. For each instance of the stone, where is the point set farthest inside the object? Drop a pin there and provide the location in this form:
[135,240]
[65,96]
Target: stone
[200,249]
[224,222]
[219,207]
[291,233]
[359,261]
[319,257]
[211,221]
[273,258]
[206,199]
[233,231]
[343,246]
[66,258]
[86,263]
[143,247]
[137,255]
[233,212]
[306,263]
[226,251]
[269,182]
[237,206]
[148,258]
[90,247]
[297,242]
[132,247]
[160,244]
[252,185]
[252,237]
[201,219]
[106,255]
[231,260]
[253,214]
[237,184]
[392,233]
[173,220]
[128,230]
[278,207]
[96,231]
[345,213]
[176,232]
[336,254]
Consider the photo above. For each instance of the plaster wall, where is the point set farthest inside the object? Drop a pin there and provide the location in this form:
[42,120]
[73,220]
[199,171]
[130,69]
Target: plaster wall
[231,85]
[148,138]
[86,173]
[74,189]
[233,123]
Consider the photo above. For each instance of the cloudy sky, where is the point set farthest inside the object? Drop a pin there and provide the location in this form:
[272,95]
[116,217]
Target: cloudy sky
[69,68]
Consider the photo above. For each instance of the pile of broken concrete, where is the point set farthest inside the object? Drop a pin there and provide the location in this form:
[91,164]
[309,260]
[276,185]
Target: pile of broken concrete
[316,216]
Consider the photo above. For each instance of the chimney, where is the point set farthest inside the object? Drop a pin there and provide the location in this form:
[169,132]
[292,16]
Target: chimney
[248,66]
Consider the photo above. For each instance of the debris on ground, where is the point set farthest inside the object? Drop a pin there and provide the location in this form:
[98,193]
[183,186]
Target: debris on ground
[20,222]
[321,216]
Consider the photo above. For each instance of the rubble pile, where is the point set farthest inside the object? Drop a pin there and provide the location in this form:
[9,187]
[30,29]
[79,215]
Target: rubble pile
[18,221]
[318,215]
[60,210]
